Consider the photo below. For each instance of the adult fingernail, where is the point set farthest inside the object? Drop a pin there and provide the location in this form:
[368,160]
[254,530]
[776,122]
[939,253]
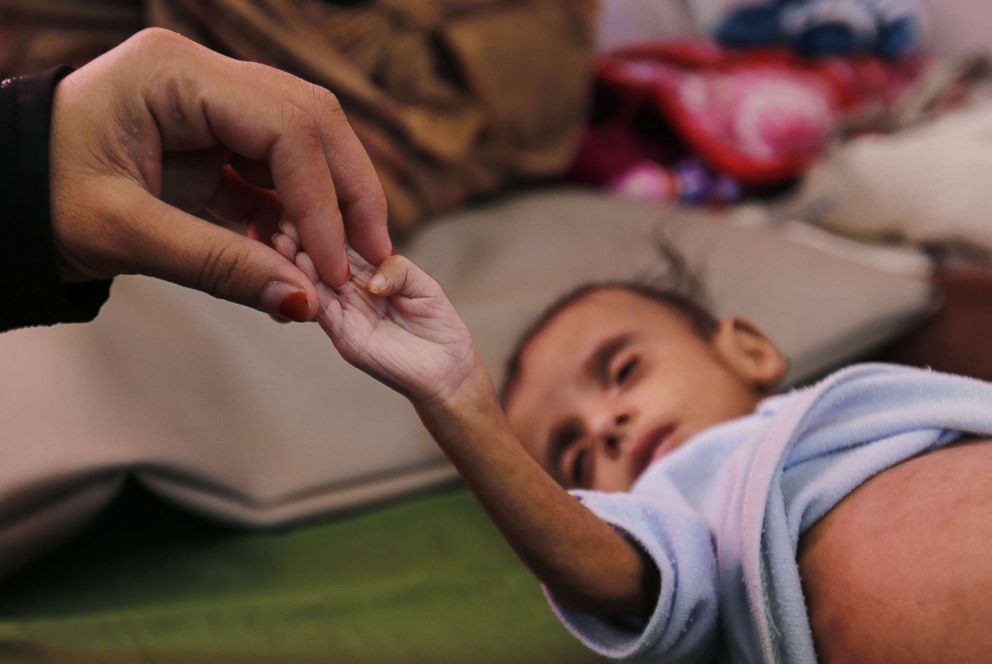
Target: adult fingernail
[287,300]
[377,283]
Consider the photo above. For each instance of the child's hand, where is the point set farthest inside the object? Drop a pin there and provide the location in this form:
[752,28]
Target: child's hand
[394,323]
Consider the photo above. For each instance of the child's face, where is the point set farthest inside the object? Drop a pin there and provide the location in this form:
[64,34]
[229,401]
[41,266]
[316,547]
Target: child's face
[617,380]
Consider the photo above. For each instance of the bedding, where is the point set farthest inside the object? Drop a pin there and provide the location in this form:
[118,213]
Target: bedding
[757,118]
[424,580]
[916,186]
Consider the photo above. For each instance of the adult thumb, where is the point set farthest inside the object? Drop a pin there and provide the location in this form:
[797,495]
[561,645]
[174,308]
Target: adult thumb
[171,244]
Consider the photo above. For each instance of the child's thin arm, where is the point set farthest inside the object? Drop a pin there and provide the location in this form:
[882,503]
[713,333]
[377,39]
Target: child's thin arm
[400,328]
[583,562]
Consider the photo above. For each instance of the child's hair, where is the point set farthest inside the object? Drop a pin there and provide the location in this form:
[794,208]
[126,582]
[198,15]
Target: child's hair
[682,293]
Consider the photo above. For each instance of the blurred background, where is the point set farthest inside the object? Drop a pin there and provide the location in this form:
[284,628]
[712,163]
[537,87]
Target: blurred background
[461,99]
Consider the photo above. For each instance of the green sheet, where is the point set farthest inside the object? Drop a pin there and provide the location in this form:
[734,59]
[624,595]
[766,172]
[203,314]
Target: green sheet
[427,579]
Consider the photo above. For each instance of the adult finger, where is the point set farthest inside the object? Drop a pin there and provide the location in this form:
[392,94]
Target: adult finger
[360,196]
[357,190]
[173,245]
[297,128]
[360,193]
[251,109]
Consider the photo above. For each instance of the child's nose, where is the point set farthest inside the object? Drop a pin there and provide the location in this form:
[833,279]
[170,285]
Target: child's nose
[611,434]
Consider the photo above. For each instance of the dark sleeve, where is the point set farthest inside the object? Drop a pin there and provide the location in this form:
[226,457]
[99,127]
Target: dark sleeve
[31,291]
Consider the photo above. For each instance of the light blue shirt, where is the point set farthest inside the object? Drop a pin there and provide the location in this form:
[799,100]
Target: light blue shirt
[721,516]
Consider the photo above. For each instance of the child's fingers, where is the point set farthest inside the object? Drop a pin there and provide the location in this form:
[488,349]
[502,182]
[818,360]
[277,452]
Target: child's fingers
[358,265]
[285,246]
[289,230]
[398,275]
[305,263]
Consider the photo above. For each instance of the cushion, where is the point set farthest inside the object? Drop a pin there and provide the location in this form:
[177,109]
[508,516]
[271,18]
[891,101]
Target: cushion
[215,407]
[870,187]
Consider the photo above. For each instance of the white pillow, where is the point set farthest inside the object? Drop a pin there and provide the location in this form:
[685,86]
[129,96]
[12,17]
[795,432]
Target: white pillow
[927,184]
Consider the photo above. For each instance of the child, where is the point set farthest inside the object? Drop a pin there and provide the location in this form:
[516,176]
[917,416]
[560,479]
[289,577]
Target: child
[697,484]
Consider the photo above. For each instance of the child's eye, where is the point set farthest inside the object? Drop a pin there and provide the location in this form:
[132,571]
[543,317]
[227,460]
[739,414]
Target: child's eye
[625,371]
[579,467]
[566,436]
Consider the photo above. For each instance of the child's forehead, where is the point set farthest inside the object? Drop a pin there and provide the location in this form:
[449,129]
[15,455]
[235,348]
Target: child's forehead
[572,335]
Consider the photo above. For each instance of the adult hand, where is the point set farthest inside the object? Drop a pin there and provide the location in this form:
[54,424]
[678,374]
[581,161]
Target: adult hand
[160,129]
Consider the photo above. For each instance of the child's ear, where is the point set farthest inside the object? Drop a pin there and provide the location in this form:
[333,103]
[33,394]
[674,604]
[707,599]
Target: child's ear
[746,349]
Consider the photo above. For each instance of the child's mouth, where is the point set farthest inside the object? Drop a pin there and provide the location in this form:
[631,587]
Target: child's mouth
[651,446]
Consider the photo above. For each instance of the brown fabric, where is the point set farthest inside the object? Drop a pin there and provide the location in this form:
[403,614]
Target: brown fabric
[453,99]
[40,34]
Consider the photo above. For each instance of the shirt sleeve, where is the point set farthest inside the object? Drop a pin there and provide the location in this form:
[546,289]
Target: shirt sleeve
[31,290]
[683,624]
